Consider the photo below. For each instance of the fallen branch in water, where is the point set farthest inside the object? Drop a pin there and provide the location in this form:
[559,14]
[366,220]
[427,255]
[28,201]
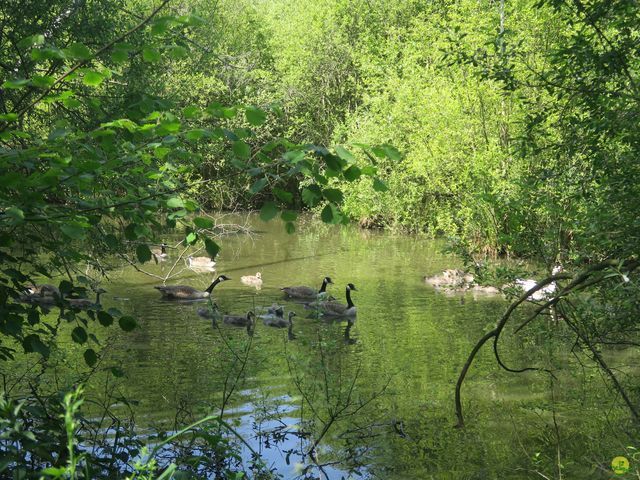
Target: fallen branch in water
[589,277]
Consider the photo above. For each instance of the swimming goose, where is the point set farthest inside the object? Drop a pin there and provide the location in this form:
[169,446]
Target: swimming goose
[184,292]
[86,303]
[307,292]
[252,280]
[210,313]
[274,308]
[274,311]
[279,321]
[160,253]
[44,290]
[200,262]
[240,320]
[337,309]
[545,292]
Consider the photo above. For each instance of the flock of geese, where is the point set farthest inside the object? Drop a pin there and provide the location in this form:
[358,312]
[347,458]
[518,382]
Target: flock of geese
[315,299]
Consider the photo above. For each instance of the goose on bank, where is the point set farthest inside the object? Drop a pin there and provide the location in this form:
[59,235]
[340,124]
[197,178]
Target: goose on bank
[185,292]
[200,262]
[307,292]
[337,309]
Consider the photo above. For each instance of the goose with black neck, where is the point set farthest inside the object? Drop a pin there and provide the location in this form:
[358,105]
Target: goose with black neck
[337,309]
[185,292]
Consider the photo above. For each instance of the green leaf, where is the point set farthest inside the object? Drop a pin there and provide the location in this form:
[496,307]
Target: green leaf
[241,149]
[369,170]
[379,185]
[392,153]
[255,116]
[105,318]
[14,84]
[268,211]
[330,214]
[56,472]
[90,357]
[8,117]
[71,103]
[143,253]
[190,205]
[294,156]
[176,52]
[117,372]
[311,195]
[119,55]
[352,173]
[47,53]
[92,78]
[229,112]
[289,216]
[42,81]
[290,227]
[283,195]
[175,202]
[203,222]
[32,343]
[194,135]
[15,214]
[151,55]
[333,195]
[31,41]
[127,323]
[191,112]
[258,185]
[345,154]
[333,162]
[159,26]
[211,247]
[79,335]
[73,230]
[78,51]
[130,232]
[191,238]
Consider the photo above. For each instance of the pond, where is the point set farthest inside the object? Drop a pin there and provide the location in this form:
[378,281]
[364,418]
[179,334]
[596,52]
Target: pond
[374,396]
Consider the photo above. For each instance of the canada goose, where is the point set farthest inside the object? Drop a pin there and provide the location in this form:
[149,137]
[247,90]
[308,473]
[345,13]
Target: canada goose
[307,292]
[160,253]
[86,303]
[274,311]
[44,290]
[450,278]
[200,262]
[337,309]
[184,292]
[240,320]
[274,308]
[279,321]
[252,280]
[210,313]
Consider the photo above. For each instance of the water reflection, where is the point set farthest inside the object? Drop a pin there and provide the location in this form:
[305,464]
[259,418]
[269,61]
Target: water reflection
[322,394]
